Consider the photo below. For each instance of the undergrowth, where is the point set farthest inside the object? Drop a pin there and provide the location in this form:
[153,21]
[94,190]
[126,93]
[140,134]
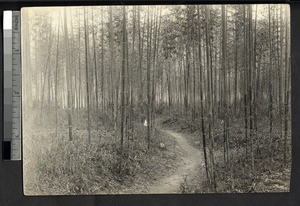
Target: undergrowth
[269,173]
[53,165]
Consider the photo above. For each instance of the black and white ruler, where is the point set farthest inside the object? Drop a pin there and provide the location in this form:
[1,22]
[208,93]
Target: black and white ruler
[12,85]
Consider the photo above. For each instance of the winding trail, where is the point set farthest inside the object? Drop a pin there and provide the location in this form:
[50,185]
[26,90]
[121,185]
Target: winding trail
[190,166]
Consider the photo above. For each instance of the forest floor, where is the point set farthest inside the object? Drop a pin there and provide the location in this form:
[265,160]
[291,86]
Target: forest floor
[236,176]
[53,165]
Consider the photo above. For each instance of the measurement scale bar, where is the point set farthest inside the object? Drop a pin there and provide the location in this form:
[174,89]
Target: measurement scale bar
[7,87]
[16,86]
[12,86]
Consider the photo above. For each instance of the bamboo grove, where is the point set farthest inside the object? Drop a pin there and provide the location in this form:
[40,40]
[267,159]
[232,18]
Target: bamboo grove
[129,65]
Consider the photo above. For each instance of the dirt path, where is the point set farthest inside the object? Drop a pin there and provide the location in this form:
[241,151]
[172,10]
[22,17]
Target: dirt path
[191,166]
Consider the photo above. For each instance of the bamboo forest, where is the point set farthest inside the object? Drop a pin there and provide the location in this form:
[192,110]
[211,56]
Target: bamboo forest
[156,99]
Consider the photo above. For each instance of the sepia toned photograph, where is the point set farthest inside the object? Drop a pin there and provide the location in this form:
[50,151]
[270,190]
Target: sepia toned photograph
[173,99]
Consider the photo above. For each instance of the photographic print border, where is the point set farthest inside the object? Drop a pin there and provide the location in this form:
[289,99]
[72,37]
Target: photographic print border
[11,173]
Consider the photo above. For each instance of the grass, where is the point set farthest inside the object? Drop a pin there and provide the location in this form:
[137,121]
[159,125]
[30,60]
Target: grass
[53,165]
[269,174]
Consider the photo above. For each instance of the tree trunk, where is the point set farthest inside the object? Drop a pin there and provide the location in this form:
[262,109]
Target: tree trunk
[87,72]
[56,79]
[201,95]
[68,78]
[95,72]
[209,95]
